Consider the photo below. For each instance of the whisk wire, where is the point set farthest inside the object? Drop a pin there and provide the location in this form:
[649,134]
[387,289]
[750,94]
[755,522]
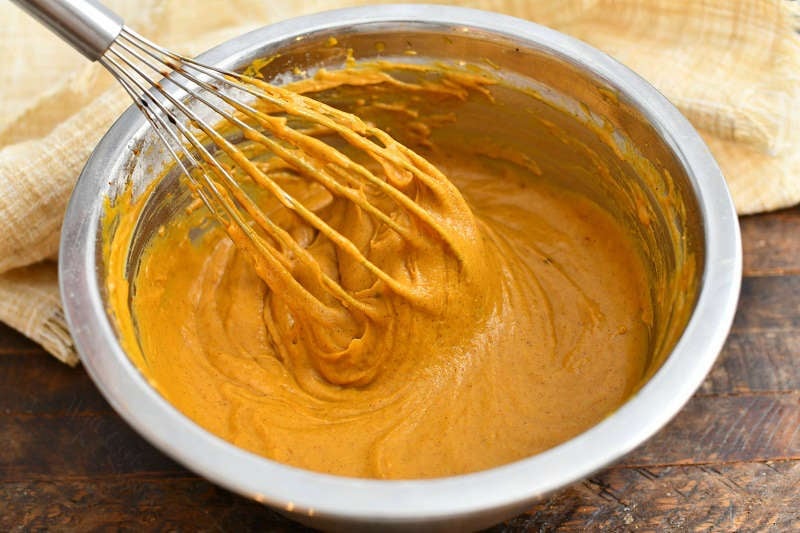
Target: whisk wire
[160,127]
[221,195]
[349,127]
[148,72]
[321,175]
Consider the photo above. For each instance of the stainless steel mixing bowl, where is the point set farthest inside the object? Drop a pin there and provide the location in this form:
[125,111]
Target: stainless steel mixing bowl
[562,74]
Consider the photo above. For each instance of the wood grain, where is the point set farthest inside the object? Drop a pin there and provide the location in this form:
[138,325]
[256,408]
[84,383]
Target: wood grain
[770,243]
[12,343]
[744,497]
[33,382]
[726,429]
[87,446]
[132,504]
[771,302]
[756,361]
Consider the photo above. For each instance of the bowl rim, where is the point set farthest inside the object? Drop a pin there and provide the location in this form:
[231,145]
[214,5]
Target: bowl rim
[514,484]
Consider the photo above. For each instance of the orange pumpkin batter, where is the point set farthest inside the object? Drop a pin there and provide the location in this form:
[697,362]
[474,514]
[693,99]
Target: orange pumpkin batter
[526,326]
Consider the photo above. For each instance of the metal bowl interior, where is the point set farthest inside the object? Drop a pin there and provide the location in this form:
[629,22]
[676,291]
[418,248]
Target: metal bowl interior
[543,72]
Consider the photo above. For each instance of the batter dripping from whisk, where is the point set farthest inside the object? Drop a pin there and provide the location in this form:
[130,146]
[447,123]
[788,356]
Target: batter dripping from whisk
[499,331]
[371,256]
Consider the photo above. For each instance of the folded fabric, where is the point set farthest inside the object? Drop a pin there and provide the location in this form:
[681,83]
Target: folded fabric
[731,66]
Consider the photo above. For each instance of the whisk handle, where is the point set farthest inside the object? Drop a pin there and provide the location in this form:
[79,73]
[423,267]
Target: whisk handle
[87,25]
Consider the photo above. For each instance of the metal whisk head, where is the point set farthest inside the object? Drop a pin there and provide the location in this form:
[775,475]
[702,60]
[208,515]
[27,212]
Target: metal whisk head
[263,114]
[391,187]
[333,277]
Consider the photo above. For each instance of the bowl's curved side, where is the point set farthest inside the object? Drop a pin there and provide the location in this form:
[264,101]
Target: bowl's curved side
[482,497]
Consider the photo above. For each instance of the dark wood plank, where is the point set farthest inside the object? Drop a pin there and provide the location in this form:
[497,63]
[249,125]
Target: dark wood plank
[36,383]
[751,496]
[742,497]
[13,342]
[726,429]
[771,243]
[771,302]
[756,361]
[68,446]
[132,504]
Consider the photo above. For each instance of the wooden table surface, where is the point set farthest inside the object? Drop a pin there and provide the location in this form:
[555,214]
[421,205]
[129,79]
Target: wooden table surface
[729,461]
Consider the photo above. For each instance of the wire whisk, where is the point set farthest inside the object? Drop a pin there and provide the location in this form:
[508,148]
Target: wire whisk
[203,114]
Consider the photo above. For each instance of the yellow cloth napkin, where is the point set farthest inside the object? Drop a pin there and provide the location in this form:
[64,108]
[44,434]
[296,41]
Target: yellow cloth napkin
[731,66]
